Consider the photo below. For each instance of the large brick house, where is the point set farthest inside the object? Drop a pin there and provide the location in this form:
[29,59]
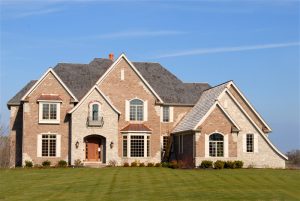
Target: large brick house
[125,111]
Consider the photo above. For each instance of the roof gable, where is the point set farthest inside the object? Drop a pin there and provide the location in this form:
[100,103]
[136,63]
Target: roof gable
[16,99]
[95,87]
[36,84]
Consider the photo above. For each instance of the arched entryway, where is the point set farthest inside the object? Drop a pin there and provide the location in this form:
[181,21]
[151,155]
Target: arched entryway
[95,148]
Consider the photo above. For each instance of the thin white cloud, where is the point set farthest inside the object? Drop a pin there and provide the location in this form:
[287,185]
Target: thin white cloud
[228,49]
[38,12]
[128,34]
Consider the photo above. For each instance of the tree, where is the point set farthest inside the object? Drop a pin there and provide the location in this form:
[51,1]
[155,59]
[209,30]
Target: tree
[294,157]
[4,145]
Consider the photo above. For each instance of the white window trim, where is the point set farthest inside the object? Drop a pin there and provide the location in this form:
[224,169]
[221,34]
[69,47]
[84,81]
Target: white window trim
[49,121]
[171,114]
[145,110]
[39,145]
[255,143]
[129,145]
[91,109]
[225,145]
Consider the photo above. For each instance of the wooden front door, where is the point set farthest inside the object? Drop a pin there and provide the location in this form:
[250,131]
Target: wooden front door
[92,149]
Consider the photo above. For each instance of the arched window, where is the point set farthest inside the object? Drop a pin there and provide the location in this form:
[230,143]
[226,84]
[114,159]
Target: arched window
[216,145]
[95,111]
[136,110]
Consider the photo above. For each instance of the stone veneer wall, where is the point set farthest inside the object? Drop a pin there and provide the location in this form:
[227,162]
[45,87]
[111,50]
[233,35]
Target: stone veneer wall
[266,157]
[79,128]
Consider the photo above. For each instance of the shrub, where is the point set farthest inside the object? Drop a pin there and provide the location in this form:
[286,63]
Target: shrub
[150,165]
[28,164]
[78,163]
[37,166]
[126,164]
[62,163]
[206,164]
[112,163]
[46,163]
[165,164]
[174,165]
[219,164]
[239,164]
[157,164]
[229,164]
[142,165]
[134,164]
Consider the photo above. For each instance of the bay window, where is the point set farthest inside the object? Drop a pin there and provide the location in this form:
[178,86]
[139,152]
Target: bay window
[136,145]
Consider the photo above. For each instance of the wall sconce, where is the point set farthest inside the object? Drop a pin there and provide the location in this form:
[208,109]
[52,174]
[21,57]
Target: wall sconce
[77,145]
[111,144]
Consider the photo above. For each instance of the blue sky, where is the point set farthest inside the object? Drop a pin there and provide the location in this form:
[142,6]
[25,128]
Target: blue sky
[254,43]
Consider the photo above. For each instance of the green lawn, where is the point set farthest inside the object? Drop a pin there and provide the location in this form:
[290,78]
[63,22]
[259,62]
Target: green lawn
[148,184]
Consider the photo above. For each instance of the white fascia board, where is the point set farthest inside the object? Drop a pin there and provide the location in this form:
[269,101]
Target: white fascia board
[50,70]
[249,104]
[257,128]
[95,87]
[134,69]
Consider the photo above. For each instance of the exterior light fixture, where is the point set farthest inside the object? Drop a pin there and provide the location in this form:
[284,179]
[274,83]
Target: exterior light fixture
[77,145]
[111,144]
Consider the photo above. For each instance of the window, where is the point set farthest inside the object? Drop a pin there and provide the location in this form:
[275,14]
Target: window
[216,145]
[180,144]
[136,145]
[49,112]
[250,142]
[165,143]
[95,112]
[166,114]
[136,110]
[48,145]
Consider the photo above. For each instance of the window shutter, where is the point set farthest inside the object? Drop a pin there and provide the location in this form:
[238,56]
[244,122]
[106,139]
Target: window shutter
[39,146]
[244,143]
[171,113]
[145,110]
[161,114]
[255,143]
[58,145]
[127,110]
[206,147]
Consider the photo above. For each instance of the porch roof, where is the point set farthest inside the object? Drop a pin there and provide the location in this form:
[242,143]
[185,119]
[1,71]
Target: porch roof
[136,128]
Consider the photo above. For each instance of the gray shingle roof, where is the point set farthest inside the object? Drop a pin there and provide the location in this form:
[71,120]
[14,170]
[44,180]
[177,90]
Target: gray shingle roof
[80,78]
[16,99]
[194,116]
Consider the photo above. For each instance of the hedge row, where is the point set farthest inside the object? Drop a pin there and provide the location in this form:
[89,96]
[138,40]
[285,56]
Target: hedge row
[221,164]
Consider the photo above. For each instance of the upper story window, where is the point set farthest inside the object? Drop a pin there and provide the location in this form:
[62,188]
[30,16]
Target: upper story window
[166,114]
[216,145]
[49,112]
[136,110]
[95,112]
[95,118]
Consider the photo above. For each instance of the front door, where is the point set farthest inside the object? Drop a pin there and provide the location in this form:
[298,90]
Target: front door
[93,149]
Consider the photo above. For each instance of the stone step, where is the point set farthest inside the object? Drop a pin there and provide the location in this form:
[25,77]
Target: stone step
[94,165]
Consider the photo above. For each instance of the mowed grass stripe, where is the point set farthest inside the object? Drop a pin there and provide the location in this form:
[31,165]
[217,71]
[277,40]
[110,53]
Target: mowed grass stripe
[148,184]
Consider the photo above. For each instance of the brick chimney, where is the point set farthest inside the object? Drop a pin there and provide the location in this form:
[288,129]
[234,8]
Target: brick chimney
[111,56]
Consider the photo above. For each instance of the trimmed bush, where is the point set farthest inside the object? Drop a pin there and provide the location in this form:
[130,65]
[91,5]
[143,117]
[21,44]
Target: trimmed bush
[229,164]
[126,164]
[142,165]
[46,163]
[78,163]
[134,164]
[219,164]
[28,164]
[157,164]
[165,164]
[62,163]
[174,165]
[150,165]
[206,164]
[239,164]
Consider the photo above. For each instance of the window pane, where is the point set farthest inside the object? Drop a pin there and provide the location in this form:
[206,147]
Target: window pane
[212,149]
[148,146]
[136,110]
[220,149]
[132,113]
[216,137]
[137,146]
[166,114]
[124,146]
[53,111]
[165,142]
[250,144]
[95,112]
[48,145]
[140,111]
[45,111]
